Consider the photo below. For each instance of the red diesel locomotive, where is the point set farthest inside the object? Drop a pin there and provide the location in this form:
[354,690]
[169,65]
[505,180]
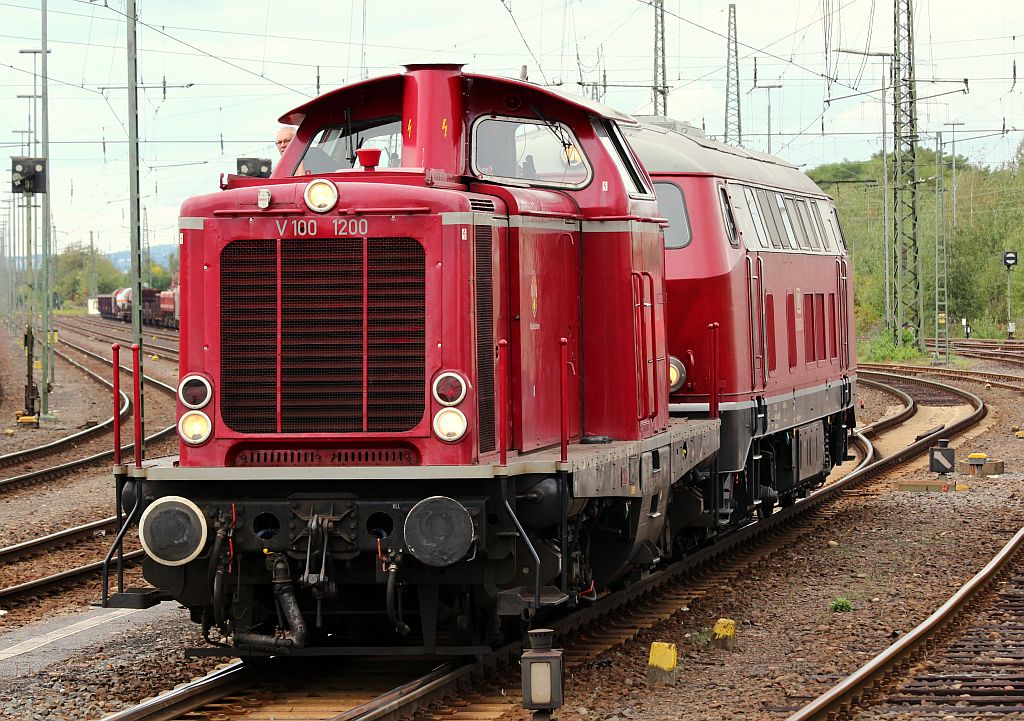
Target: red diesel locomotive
[754,246]
[425,375]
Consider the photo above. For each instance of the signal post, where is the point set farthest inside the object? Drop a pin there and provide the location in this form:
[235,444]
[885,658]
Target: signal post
[28,177]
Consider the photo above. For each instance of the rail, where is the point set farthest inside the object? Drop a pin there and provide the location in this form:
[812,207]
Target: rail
[853,686]
[73,439]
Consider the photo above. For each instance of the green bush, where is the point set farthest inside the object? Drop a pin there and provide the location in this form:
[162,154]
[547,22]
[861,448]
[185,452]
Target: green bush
[841,605]
[880,348]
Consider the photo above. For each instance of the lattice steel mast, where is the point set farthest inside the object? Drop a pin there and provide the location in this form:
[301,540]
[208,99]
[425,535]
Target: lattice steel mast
[660,78]
[733,124]
[907,262]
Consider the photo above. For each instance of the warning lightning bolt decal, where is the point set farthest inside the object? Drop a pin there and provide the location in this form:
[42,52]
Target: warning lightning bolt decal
[408,130]
[444,127]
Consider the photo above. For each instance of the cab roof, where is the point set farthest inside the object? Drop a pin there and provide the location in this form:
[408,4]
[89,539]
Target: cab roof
[342,94]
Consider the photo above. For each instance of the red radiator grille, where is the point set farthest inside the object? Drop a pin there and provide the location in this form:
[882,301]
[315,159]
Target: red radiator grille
[248,335]
[351,338]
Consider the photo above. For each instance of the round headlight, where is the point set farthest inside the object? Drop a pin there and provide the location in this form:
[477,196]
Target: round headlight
[194,392]
[449,389]
[676,374]
[450,424]
[195,427]
[173,531]
[320,195]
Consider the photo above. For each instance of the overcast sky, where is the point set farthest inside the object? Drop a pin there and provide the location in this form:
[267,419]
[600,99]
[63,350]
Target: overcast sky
[246,62]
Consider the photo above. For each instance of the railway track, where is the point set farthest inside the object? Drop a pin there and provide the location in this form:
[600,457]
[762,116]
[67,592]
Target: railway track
[996,380]
[979,671]
[43,474]
[48,543]
[587,632]
[151,348]
[93,532]
[154,332]
[73,439]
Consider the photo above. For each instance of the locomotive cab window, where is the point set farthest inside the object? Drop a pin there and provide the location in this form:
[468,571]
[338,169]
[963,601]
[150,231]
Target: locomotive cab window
[672,205]
[521,150]
[730,220]
[334,147]
[632,177]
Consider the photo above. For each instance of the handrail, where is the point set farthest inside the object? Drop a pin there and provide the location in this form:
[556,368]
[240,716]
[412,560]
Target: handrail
[115,366]
[504,400]
[713,372]
[564,375]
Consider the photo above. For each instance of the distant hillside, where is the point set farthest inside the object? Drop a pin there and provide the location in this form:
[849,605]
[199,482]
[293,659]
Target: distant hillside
[122,259]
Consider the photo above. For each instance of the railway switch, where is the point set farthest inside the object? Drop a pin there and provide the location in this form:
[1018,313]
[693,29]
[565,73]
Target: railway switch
[942,458]
[543,679]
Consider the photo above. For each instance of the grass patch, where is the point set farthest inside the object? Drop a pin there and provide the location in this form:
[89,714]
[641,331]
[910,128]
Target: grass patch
[701,637]
[841,605]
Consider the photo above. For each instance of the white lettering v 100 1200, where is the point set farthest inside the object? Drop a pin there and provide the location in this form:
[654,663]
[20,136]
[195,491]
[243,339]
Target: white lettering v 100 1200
[343,227]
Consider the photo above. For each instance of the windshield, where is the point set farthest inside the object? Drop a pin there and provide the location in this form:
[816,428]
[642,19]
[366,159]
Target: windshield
[334,147]
[525,150]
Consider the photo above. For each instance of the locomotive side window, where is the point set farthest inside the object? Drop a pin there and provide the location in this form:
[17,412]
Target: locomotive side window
[334,147]
[611,139]
[785,234]
[839,228]
[805,221]
[794,221]
[755,214]
[672,205]
[730,221]
[786,222]
[821,227]
[538,152]
[770,221]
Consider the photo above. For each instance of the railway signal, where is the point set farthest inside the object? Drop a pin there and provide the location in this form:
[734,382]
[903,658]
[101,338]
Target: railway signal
[28,177]
[1009,260]
[253,167]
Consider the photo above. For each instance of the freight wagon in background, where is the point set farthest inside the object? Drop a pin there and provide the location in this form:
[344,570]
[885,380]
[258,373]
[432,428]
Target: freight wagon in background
[159,308]
[427,368]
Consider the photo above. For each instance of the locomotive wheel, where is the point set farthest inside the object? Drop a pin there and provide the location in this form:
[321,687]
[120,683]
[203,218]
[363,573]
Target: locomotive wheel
[787,500]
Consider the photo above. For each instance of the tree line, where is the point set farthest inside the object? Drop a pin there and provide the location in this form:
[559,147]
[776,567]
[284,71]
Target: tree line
[72,274]
[989,220]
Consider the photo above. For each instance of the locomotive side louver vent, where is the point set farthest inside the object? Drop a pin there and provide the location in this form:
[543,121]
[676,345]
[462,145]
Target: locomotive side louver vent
[481,206]
[485,337]
[323,335]
[329,457]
